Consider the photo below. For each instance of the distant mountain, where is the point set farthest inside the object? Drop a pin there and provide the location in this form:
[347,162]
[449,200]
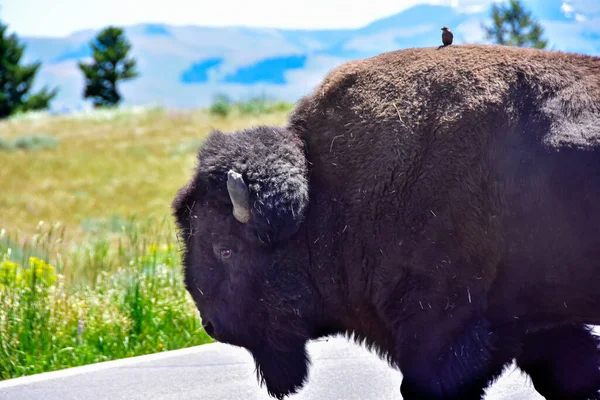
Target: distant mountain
[186,66]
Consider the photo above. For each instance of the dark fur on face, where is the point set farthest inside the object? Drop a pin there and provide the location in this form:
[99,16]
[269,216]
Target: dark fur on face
[439,206]
[272,325]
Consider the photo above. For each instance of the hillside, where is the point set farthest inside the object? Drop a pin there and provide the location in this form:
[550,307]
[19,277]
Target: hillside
[186,66]
[100,169]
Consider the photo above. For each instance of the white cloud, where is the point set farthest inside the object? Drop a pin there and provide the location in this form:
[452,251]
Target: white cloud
[383,41]
[470,6]
[60,18]
[568,36]
[567,9]
[475,8]
[580,9]
[588,7]
[470,31]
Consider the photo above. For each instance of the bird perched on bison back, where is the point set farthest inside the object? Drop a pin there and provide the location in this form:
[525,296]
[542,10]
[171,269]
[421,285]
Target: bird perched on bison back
[439,218]
[447,36]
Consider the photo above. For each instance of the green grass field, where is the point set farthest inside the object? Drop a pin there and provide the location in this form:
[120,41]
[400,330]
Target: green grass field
[89,260]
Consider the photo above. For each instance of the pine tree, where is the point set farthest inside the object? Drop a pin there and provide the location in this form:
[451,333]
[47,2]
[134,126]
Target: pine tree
[110,65]
[16,80]
[514,26]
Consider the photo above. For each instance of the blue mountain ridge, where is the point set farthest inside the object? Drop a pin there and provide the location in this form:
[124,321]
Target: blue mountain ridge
[186,66]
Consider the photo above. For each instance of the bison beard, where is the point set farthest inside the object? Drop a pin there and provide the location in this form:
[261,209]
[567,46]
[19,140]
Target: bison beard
[283,370]
[441,206]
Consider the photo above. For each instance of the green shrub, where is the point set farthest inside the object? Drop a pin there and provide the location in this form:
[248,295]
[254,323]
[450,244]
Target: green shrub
[5,145]
[256,105]
[36,141]
[221,106]
[262,105]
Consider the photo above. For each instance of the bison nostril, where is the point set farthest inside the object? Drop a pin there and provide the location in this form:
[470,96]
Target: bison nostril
[208,327]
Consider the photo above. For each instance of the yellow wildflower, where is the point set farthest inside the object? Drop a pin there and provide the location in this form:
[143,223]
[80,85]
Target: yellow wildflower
[44,272]
[8,272]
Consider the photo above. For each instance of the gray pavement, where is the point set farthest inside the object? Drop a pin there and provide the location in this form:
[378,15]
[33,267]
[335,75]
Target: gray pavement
[340,370]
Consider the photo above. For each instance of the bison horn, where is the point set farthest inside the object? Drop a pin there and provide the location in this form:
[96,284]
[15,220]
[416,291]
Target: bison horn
[240,196]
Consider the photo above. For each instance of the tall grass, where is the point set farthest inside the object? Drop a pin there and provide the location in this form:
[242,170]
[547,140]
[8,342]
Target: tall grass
[108,162]
[104,300]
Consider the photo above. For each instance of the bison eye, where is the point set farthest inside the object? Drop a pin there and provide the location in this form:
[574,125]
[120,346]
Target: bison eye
[226,253]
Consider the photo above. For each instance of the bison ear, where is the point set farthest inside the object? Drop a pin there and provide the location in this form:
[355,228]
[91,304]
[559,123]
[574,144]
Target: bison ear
[182,205]
[272,197]
[278,203]
[179,206]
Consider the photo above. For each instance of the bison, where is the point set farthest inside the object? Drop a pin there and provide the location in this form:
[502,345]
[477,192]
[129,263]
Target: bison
[441,206]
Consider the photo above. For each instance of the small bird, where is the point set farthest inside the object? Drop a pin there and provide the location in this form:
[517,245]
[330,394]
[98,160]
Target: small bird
[447,36]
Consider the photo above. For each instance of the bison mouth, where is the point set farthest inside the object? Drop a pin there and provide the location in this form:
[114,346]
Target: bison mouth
[281,359]
[282,368]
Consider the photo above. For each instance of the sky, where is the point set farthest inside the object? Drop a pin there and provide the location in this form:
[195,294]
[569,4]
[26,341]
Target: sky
[566,21]
[62,17]
[570,25]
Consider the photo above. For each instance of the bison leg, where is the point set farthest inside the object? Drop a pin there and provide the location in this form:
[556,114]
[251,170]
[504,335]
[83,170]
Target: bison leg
[456,366]
[563,363]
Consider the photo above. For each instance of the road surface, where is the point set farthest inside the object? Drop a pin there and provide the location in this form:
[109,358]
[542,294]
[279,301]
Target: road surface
[340,370]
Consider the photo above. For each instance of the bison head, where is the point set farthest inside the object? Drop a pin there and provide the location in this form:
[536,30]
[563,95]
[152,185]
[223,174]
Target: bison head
[238,218]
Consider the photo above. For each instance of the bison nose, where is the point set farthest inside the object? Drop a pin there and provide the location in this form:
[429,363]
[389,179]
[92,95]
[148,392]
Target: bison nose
[208,328]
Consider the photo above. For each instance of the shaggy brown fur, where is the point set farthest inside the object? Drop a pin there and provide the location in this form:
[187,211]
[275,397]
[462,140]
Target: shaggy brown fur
[440,205]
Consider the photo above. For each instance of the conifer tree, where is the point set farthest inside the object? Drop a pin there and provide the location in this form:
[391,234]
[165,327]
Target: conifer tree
[16,80]
[110,65]
[513,25]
